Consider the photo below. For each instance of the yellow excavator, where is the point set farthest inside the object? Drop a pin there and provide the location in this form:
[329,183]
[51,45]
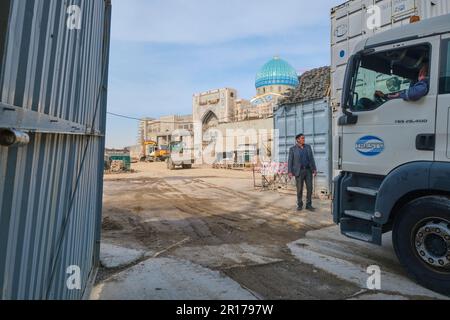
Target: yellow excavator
[155,152]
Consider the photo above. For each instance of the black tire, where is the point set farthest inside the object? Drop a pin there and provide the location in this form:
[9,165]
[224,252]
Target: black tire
[405,228]
[170,165]
[187,166]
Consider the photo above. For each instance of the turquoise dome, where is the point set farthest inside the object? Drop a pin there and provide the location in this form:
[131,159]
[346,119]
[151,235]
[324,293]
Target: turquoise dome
[276,72]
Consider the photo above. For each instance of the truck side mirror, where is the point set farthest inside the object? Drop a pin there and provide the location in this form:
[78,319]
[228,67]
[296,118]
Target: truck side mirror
[348,95]
[347,119]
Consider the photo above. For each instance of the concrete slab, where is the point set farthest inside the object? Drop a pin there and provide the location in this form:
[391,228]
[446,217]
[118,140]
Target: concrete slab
[378,296]
[349,259]
[230,255]
[112,256]
[169,279]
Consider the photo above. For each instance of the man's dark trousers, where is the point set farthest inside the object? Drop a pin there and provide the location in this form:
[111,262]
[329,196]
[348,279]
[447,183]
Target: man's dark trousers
[306,176]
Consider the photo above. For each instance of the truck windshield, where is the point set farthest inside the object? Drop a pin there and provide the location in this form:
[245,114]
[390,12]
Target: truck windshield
[380,76]
[177,147]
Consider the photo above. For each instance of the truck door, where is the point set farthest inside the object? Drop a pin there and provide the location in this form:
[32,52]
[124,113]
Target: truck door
[443,106]
[390,131]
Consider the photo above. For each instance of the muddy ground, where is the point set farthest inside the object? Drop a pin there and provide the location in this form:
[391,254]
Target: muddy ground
[217,219]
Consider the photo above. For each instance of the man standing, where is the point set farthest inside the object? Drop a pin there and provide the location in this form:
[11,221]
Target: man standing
[303,166]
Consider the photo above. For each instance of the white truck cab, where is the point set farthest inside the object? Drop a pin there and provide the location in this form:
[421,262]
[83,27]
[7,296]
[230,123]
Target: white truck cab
[393,147]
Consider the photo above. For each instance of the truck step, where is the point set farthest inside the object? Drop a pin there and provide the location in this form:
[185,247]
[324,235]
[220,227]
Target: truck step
[359,214]
[363,191]
[359,236]
[361,229]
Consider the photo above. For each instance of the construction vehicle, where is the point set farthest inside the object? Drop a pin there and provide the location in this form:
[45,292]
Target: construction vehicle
[154,152]
[180,156]
[159,154]
[394,154]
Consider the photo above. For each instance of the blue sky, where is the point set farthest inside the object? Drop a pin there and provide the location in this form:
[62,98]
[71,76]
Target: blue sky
[164,51]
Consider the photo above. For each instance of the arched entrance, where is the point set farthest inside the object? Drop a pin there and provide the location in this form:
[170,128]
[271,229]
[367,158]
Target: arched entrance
[209,120]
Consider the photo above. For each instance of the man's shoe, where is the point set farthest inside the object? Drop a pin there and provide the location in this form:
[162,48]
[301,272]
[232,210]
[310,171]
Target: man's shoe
[310,208]
[299,208]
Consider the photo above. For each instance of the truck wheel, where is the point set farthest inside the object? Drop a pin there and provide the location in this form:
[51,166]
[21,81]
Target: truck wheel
[187,166]
[170,165]
[421,238]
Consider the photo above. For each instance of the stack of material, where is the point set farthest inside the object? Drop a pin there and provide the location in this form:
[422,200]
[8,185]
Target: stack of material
[117,166]
[314,84]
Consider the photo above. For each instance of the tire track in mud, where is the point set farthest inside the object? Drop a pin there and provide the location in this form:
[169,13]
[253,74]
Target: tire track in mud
[266,210]
[210,220]
[159,190]
[189,205]
[220,218]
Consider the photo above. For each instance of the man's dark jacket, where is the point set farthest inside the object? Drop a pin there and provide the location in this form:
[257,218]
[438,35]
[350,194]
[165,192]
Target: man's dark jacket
[294,160]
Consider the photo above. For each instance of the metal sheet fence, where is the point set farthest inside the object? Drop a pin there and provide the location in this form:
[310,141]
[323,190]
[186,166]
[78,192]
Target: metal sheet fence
[313,119]
[53,84]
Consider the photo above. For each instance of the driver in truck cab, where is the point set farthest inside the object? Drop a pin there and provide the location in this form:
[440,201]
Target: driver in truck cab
[415,92]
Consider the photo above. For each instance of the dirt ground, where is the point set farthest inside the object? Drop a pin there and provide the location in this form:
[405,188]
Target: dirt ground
[216,218]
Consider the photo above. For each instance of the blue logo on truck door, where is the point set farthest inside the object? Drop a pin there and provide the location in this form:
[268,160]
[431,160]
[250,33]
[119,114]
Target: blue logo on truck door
[370,146]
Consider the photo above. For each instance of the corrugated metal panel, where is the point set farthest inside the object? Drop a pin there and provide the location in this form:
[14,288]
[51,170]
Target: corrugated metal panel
[432,8]
[313,119]
[51,189]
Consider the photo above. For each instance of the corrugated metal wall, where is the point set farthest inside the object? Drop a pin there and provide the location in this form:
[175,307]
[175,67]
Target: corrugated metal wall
[313,119]
[53,84]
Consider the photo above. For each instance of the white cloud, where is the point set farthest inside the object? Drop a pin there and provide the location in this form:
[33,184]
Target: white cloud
[212,21]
